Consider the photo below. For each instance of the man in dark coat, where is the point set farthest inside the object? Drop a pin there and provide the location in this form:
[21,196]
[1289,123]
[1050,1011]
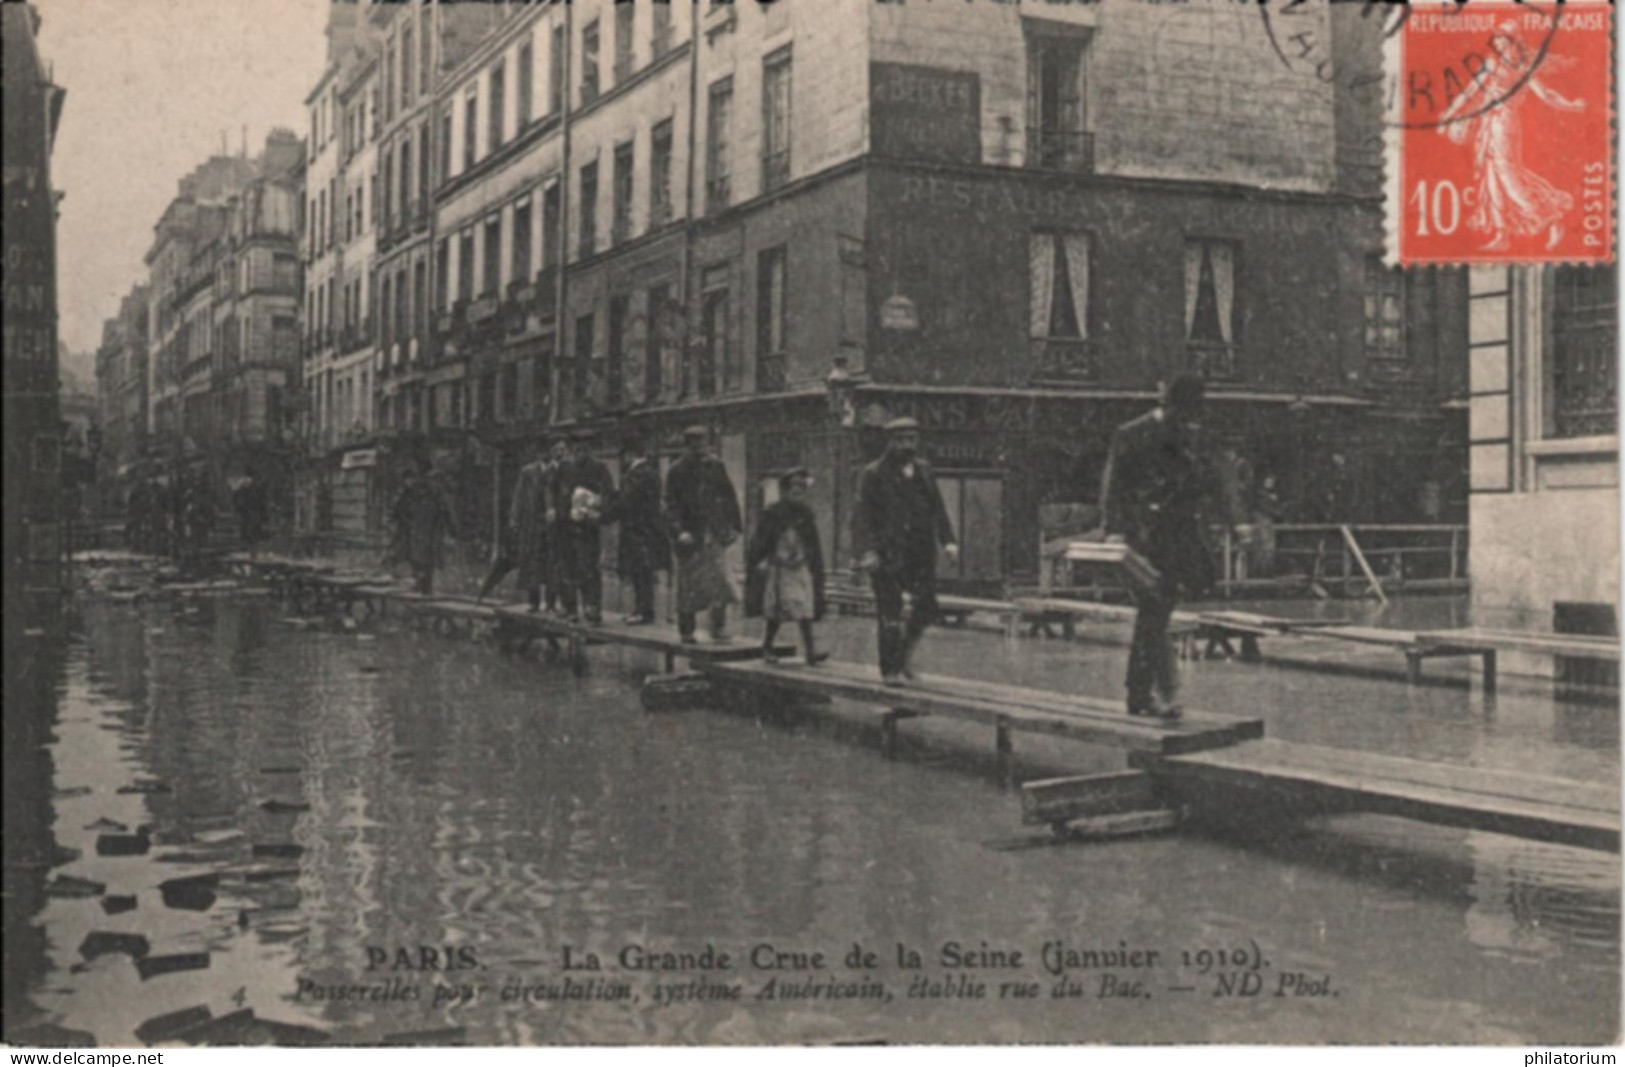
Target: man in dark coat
[702,513]
[899,523]
[525,538]
[423,515]
[643,550]
[1162,484]
[582,493]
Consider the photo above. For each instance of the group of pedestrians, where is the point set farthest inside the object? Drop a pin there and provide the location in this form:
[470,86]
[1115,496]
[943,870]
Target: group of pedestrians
[1164,490]
[171,515]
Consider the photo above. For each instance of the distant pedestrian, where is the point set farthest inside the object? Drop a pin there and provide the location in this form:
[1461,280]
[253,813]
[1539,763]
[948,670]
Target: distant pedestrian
[556,574]
[899,524]
[249,502]
[523,541]
[702,512]
[785,568]
[643,550]
[583,491]
[423,516]
[1162,483]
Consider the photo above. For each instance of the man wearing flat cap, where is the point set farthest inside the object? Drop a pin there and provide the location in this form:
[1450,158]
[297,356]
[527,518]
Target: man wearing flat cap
[898,526]
[702,512]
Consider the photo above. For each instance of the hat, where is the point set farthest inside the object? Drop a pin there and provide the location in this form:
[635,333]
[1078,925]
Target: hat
[903,425]
[792,474]
[698,431]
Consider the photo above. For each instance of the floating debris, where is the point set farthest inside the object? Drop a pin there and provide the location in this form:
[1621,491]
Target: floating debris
[368,668]
[281,770]
[154,966]
[136,844]
[146,785]
[270,874]
[118,904]
[448,1035]
[234,1028]
[72,791]
[62,855]
[284,807]
[218,837]
[67,887]
[50,1035]
[106,943]
[166,1027]
[109,825]
[281,851]
[280,1033]
[195,893]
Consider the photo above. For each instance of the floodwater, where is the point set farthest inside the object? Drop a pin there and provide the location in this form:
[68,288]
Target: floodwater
[486,812]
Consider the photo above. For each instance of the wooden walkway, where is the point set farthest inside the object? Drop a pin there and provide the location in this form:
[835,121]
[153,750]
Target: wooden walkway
[1314,779]
[1204,762]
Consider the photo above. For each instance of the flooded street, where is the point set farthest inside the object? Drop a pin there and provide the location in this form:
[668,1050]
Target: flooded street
[360,794]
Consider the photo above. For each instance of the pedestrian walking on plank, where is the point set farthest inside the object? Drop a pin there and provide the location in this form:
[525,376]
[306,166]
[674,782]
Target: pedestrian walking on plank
[899,524]
[582,493]
[1164,486]
[643,550]
[524,540]
[702,512]
[423,516]
[785,568]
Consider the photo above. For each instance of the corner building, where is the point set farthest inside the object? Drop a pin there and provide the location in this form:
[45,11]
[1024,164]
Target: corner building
[1012,222]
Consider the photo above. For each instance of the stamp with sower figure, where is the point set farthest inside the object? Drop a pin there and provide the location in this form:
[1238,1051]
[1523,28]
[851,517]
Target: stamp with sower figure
[1501,134]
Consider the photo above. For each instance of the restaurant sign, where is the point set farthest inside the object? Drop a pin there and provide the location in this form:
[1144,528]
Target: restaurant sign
[930,113]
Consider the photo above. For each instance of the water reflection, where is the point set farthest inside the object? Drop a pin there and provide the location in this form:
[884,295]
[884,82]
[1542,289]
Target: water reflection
[443,798]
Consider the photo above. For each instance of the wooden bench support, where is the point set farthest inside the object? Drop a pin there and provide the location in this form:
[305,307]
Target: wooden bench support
[888,729]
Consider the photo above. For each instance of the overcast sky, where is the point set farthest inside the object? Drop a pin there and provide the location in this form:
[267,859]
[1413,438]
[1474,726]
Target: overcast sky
[151,85]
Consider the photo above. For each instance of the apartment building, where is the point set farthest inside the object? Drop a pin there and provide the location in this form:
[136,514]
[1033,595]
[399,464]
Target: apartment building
[121,391]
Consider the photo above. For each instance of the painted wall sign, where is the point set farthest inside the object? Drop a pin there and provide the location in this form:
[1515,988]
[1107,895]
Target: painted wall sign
[920,112]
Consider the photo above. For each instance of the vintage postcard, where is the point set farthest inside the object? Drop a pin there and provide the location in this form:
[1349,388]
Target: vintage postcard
[811,523]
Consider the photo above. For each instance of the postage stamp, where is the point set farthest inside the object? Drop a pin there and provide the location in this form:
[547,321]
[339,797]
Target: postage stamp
[1501,134]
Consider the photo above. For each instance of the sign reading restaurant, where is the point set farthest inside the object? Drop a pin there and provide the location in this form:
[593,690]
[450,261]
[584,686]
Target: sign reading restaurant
[920,112]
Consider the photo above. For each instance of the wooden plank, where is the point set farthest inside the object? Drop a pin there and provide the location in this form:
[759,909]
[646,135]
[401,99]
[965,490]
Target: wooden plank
[1531,806]
[1051,800]
[1573,645]
[1055,714]
[1369,635]
[1126,824]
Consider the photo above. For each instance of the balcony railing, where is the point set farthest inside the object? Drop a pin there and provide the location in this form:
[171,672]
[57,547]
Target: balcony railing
[1063,359]
[1072,150]
[482,309]
[775,169]
[772,372]
[718,191]
[1212,361]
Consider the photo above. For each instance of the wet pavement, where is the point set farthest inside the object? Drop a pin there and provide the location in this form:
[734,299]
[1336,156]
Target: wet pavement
[385,789]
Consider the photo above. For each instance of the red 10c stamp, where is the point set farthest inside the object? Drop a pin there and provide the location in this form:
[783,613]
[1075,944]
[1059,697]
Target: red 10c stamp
[1501,134]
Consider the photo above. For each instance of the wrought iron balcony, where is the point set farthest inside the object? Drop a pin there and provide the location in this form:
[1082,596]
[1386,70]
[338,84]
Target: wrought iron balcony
[1212,361]
[482,310]
[1072,150]
[1063,359]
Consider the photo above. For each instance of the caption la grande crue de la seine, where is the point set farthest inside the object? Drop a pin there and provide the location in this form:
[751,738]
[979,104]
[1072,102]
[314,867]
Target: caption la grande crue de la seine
[765,971]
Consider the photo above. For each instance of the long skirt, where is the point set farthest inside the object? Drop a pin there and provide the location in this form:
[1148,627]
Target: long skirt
[702,580]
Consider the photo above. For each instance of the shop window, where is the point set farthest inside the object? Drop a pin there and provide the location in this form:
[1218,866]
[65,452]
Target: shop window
[1584,343]
[1058,269]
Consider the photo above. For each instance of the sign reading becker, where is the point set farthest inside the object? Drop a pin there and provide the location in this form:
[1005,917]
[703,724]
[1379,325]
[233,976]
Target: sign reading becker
[1505,146]
[920,112]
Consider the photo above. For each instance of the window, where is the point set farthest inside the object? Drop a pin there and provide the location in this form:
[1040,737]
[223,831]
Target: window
[465,267]
[402,321]
[361,208]
[1057,113]
[623,40]
[588,237]
[471,119]
[442,273]
[510,391]
[1210,307]
[619,310]
[407,54]
[718,158]
[714,314]
[552,233]
[445,144]
[1584,370]
[408,205]
[486,402]
[521,241]
[555,60]
[425,60]
[375,196]
[621,223]
[389,80]
[420,306]
[660,36]
[389,188]
[776,120]
[493,256]
[583,360]
[1384,311]
[423,168]
[387,326]
[589,63]
[527,73]
[1059,292]
[657,341]
[660,175]
[770,319]
[498,102]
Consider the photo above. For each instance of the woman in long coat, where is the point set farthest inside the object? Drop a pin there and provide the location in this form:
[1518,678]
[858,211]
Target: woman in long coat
[643,549]
[529,534]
